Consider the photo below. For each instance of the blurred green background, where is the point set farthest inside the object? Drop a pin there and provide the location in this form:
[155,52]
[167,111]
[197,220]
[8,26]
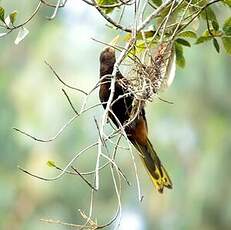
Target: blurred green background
[192,136]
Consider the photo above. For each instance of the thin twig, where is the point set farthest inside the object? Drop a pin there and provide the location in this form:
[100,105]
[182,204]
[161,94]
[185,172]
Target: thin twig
[109,19]
[69,100]
[50,221]
[60,79]
[84,179]
[64,170]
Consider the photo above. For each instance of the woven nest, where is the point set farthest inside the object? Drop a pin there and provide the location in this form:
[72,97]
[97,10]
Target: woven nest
[147,79]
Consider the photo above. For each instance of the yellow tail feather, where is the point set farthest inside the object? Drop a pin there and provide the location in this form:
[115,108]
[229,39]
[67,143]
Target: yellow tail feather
[154,167]
[162,181]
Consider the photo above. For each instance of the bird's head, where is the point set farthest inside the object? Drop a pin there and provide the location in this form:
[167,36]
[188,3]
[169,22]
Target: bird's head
[107,61]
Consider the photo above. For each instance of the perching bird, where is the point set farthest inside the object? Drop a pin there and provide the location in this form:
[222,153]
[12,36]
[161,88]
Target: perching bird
[136,130]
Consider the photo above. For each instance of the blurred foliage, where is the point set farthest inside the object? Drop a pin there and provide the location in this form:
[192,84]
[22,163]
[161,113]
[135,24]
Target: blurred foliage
[192,136]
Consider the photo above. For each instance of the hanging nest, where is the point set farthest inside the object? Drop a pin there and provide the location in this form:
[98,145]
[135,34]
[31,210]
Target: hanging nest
[155,74]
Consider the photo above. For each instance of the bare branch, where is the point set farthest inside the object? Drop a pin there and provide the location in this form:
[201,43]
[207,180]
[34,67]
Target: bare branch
[60,79]
[154,14]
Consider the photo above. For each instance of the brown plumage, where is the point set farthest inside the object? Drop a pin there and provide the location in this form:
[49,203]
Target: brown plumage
[137,130]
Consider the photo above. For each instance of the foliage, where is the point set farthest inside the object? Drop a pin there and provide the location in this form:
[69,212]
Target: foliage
[171,23]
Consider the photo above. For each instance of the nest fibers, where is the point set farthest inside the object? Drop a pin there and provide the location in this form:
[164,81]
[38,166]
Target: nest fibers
[147,80]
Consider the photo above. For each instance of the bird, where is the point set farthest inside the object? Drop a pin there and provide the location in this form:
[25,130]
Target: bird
[120,114]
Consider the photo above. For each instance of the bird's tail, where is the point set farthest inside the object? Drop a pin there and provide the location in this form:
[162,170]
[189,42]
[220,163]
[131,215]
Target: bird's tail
[155,169]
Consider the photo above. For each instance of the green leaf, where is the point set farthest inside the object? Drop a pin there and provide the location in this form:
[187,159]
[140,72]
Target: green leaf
[13,16]
[2,14]
[227,2]
[180,60]
[215,25]
[183,42]
[209,13]
[198,4]
[51,164]
[23,32]
[148,33]
[139,36]
[141,45]
[216,45]
[227,27]
[227,44]
[203,39]
[187,34]
[157,2]
[107,3]
[212,33]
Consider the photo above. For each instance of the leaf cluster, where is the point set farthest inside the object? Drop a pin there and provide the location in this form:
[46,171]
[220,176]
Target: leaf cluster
[9,25]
